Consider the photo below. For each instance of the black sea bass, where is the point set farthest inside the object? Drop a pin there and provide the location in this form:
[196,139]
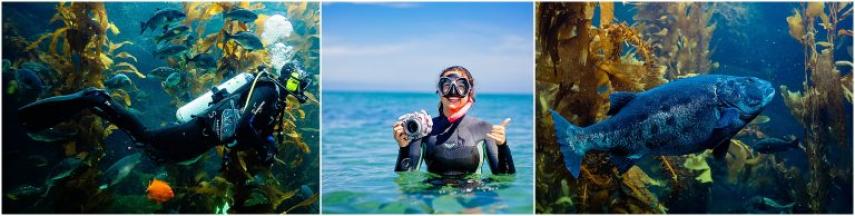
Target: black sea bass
[681,117]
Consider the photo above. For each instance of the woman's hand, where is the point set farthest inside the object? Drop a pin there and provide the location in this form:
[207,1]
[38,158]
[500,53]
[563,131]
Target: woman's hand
[400,136]
[498,132]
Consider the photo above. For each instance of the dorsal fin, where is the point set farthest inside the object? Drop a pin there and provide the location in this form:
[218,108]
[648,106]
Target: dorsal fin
[617,100]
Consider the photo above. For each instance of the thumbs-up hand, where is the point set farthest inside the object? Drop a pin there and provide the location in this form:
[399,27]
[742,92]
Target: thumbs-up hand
[498,132]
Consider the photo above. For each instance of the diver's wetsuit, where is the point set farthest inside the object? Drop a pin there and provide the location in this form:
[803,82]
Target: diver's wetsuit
[254,126]
[456,149]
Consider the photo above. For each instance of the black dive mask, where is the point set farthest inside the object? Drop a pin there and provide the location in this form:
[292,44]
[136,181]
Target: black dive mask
[296,81]
[453,86]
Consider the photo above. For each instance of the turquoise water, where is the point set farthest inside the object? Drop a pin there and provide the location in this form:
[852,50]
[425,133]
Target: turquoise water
[359,156]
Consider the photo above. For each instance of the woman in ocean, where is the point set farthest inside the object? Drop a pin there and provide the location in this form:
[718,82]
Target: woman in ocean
[457,144]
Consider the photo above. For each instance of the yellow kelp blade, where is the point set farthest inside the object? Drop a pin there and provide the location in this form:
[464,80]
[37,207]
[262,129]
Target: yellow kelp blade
[135,72]
[113,28]
[306,202]
[115,46]
[126,55]
[38,41]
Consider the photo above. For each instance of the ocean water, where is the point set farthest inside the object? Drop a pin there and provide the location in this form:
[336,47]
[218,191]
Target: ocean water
[63,172]
[359,156]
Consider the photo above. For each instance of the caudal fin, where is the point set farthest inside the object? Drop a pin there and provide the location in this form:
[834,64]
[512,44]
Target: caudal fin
[572,151]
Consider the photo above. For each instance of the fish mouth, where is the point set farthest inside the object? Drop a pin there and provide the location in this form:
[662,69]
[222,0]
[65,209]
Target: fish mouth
[769,94]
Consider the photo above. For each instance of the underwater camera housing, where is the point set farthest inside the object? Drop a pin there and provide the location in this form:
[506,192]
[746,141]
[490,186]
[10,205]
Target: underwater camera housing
[416,124]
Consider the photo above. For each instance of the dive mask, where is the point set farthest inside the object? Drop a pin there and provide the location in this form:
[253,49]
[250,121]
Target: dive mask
[454,86]
[297,81]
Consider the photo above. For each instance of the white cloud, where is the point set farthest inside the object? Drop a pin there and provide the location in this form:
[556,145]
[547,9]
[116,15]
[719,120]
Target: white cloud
[500,63]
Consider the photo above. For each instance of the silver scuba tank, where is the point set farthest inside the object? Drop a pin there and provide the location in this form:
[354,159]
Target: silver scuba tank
[201,104]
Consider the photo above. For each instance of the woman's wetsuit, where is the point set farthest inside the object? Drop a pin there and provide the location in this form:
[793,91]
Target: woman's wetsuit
[224,123]
[455,149]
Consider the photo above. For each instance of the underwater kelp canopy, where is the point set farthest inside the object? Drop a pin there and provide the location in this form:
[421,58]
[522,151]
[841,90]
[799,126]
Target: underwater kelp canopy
[680,34]
[578,66]
[255,188]
[820,107]
[80,54]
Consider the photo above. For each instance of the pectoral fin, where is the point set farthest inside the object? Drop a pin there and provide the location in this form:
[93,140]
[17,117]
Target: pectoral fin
[728,117]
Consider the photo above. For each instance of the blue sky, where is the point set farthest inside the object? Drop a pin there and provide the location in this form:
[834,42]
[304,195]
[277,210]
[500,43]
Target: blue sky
[404,46]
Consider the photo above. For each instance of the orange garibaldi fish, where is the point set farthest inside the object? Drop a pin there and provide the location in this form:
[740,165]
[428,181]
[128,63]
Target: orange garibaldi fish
[159,191]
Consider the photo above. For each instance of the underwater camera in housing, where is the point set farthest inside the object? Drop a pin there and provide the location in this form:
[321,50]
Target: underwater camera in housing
[416,124]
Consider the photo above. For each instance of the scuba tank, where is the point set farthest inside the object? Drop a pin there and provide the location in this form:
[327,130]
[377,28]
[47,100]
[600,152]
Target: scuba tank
[295,85]
[200,105]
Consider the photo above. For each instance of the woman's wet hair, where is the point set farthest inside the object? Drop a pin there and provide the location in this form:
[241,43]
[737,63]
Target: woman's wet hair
[465,72]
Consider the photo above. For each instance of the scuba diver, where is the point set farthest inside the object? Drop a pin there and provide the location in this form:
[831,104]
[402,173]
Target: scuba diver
[452,144]
[215,118]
